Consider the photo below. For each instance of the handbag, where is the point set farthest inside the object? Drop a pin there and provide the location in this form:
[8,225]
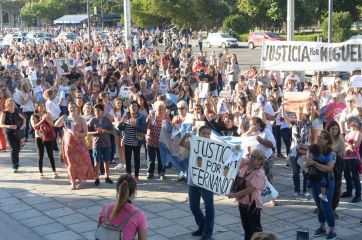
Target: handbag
[269,193]
[240,182]
[106,231]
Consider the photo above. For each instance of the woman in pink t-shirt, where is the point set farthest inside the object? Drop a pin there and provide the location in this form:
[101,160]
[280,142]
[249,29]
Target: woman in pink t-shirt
[119,211]
[249,199]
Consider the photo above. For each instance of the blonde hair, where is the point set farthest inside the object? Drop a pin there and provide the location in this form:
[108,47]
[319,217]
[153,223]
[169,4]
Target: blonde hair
[7,102]
[158,104]
[26,87]
[48,94]
[85,106]
[258,155]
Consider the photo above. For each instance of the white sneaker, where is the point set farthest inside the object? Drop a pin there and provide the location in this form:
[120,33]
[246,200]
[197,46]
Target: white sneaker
[307,195]
[323,197]
[295,194]
[120,167]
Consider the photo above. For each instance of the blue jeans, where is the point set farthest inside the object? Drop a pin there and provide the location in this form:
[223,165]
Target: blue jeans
[205,223]
[325,212]
[296,175]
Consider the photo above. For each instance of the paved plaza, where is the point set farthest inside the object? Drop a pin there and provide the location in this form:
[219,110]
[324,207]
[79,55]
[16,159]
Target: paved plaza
[34,209]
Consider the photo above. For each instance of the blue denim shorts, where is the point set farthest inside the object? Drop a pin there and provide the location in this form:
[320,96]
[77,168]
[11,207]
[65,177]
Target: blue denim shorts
[102,154]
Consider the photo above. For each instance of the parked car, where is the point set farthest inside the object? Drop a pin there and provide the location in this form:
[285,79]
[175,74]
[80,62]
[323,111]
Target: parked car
[13,37]
[356,37]
[37,37]
[67,36]
[256,39]
[221,40]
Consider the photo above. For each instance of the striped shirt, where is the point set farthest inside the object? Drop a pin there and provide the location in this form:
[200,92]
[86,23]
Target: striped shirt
[130,133]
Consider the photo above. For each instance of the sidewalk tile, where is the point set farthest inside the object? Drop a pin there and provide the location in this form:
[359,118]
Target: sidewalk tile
[66,235]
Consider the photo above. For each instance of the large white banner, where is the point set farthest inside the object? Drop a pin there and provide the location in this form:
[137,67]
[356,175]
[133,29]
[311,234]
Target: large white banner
[213,164]
[312,56]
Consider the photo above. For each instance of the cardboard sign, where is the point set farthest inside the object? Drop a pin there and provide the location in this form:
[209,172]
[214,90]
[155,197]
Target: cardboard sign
[204,90]
[221,106]
[124,92]
[62,65]
[251,84]
[297,102]
[207,165]
[327,81]
[356,81]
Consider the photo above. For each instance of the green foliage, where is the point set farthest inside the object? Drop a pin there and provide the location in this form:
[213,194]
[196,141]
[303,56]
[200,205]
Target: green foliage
[272,14]
[309,37]
[48,9]
[341,23]
[196,14]
[236,24]
[144,16]
[243,37]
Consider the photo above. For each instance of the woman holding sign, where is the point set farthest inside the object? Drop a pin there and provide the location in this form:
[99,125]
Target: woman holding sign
[249,198]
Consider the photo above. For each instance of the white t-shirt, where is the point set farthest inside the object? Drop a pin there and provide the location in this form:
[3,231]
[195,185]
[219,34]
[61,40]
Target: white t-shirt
[16,96]
[28,105]
[53,109]
[267,135]
[269,110]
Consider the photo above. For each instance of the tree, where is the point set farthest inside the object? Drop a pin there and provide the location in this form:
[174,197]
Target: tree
[47,9]
[237,24]
[143,15]
[197,14]
[341,23]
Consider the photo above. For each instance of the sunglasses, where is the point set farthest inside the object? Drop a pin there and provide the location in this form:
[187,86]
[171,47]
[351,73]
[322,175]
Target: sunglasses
[73,89]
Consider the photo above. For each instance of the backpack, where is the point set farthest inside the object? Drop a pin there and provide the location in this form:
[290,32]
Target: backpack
[45,131]
[106,231]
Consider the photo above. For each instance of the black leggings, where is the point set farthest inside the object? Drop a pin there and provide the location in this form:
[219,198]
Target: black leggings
[49,145]
[14,143]
[128,154]
[250,219]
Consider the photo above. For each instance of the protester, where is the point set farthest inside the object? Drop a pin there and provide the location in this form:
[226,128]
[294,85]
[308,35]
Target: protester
[100,127]
[154,124]
[324,208]
[14,123]
[42,122]
[300,139]
[339,149]
[249,199]
[352,139]
[265,143]
[205,222]
[123,211]
[74,148]
[134,126]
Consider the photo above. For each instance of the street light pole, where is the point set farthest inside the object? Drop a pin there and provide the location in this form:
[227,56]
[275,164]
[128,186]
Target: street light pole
[102,13]
[127,23]
[290,20]
[88,13]
[330,17]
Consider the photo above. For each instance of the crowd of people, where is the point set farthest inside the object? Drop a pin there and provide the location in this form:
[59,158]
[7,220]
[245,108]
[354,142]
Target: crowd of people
[112,103]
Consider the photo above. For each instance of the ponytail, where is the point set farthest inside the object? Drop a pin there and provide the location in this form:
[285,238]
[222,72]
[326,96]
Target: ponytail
[126,187]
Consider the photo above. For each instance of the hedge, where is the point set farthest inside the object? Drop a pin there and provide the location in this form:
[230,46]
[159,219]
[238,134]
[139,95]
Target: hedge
[298,37]
[305,37]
